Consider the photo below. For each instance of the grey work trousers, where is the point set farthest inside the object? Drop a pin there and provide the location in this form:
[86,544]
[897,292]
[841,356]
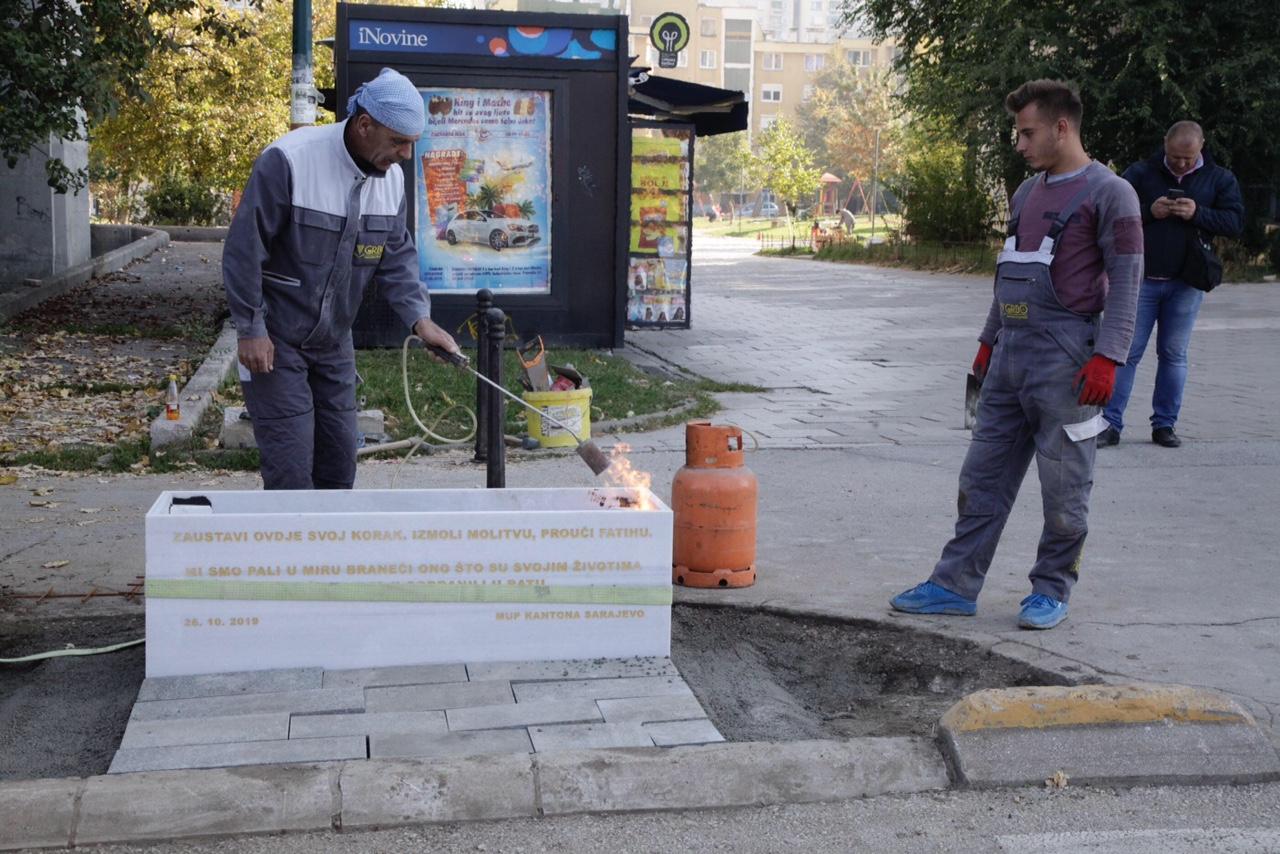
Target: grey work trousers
[304,416]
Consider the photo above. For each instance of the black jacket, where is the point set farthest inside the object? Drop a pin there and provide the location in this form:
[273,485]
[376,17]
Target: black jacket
[1219,210]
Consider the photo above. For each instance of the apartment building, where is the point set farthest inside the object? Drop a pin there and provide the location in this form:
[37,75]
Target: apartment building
[769,49]
[785,71]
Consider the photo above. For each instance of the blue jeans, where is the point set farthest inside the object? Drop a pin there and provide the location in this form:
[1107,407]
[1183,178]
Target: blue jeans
[1171,306]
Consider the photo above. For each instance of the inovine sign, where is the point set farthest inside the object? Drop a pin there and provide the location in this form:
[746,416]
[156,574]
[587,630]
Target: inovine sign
[481,40]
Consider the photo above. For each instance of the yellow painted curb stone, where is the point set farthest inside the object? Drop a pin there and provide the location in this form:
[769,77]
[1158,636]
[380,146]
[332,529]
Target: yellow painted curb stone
[1059,706]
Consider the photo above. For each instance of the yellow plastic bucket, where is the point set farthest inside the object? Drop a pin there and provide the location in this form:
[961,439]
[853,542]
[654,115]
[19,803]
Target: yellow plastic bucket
[571,407]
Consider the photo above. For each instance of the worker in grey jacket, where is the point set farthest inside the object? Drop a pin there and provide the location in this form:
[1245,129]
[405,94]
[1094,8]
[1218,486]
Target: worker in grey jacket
[322,216]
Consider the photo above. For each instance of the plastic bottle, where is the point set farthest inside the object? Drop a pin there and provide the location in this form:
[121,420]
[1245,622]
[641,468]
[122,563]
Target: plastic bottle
[171,407]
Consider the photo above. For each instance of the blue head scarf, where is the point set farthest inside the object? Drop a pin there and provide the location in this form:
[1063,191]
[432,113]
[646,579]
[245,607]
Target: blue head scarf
[392,101]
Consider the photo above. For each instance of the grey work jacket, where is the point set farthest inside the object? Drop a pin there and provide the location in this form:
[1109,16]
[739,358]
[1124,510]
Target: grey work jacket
[311,232]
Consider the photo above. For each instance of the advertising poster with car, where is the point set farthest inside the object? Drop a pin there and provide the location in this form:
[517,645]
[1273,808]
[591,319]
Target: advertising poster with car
[658,271]
[483,173]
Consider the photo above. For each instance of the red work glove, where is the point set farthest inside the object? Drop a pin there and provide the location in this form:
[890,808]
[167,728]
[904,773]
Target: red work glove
[1096,381]
[982,361]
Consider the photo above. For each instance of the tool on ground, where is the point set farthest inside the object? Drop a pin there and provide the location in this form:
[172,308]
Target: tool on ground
[972,390]
[533,362]
[713,502]
[590,452]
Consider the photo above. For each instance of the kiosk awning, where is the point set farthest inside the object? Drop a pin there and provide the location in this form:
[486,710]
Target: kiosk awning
[709,109]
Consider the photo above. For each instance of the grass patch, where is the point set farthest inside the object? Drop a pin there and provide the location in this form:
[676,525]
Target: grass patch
[118,458]
[618,390]
[951,257]
[714,386]
[778,229]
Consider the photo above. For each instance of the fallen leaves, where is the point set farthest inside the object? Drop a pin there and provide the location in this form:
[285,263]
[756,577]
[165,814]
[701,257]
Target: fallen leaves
[1059,780]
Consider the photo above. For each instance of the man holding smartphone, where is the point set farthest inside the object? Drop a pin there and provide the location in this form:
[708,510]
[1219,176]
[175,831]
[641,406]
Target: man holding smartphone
[1181,190]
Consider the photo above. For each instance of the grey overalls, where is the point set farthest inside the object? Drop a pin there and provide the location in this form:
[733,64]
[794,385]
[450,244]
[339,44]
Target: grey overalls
[304,411]
[1028,406]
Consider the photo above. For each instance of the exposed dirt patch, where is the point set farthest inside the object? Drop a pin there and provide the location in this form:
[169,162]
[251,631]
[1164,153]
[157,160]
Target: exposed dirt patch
[763,677]
[64,717]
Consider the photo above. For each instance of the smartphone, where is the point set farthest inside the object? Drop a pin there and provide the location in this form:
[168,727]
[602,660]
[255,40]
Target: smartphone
[1175,194]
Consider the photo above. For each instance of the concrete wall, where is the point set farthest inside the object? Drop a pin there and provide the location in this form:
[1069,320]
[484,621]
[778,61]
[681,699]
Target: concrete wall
[42,233]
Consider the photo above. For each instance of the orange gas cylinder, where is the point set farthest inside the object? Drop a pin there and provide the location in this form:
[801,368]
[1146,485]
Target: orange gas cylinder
[713,499]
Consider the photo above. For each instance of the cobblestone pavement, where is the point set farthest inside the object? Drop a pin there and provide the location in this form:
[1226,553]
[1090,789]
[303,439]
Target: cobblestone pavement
[854,354]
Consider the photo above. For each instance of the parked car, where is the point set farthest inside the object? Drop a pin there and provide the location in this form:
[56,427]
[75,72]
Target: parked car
[769,209]
[495,231]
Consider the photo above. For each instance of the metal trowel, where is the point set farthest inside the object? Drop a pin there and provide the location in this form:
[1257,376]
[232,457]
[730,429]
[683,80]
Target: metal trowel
[972,389]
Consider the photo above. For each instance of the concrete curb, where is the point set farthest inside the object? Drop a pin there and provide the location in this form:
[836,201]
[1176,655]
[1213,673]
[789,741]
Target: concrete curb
[14,302]
[153,806]
[1104,734]
[197,395]
[194,233]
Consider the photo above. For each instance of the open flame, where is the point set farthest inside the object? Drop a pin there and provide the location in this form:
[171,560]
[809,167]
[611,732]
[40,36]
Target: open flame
[622,473]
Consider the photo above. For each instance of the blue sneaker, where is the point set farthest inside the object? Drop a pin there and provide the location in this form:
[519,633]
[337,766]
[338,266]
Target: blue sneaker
[1041,612]
[929,598]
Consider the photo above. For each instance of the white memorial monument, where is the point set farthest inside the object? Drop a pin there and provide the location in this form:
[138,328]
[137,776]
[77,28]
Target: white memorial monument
[373,578]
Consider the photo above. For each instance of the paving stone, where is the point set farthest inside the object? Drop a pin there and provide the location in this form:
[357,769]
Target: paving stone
[671,733]
[315,700]
[573,736]
[221,684]
[523,714]
[650,709]
[365,723]
[176,804]
[453,695]
[601,689]
[588,668]
[376,677]
[217,730]
[239,753]
[385,793]
[450,744]
[37,813]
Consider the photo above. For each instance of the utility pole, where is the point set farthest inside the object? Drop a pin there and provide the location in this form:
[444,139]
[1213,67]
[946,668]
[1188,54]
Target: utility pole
[302,91]
[875,187]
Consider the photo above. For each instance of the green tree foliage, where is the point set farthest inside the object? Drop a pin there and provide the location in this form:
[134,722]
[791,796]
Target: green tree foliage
[724,164]
[840,119]
[786,164]
[945,200]
[209,107]
[1140,64]
[65,63]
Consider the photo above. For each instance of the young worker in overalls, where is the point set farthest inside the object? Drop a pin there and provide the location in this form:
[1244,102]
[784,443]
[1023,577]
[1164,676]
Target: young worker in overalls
[1066,293]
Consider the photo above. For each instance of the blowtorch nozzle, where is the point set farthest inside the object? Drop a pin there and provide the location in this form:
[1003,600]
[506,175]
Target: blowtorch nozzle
[595,458]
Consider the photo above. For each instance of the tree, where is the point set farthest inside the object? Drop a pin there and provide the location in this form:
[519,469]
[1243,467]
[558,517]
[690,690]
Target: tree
[1140,64]
[724,164]
[787,165]
[840,119]
[208,103]
[209,108]
[65,64]
[944,196]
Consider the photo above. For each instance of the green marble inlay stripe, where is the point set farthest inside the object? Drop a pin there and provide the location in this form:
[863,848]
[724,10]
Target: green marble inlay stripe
[409,591]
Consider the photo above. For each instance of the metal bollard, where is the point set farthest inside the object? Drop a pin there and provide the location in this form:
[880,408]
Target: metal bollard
[484,302]
[497,406]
